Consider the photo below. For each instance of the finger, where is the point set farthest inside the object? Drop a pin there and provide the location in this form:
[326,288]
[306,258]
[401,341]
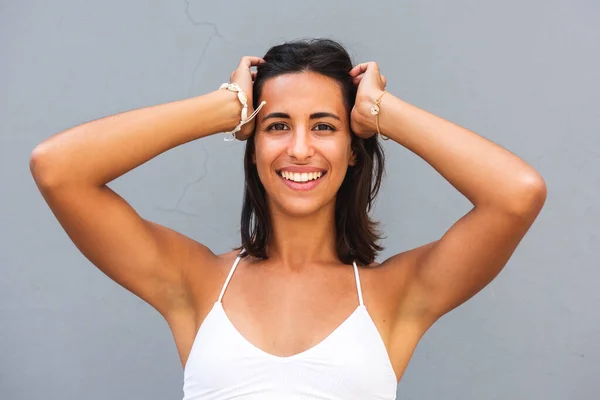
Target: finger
[356,80]
[250,61]
[369,68]
[253,74]
[362,68]
[358,69]
[383,80]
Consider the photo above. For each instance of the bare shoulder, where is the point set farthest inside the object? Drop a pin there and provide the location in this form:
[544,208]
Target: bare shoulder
[389,284]
[397,309]
[205,272]
[399,268]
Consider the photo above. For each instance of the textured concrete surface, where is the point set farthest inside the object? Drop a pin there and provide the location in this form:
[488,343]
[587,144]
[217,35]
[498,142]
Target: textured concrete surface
[522,74]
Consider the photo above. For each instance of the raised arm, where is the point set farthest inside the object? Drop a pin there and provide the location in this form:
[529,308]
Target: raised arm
[72,168]
[506,192]
[507,195]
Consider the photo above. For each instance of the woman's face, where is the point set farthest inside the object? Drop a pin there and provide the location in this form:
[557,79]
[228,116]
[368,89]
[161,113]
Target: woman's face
[302,142]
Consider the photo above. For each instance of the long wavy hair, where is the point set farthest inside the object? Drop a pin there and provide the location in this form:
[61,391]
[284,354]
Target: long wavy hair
[357,234]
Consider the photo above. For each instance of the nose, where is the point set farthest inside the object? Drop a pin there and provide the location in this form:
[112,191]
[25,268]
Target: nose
[300,146]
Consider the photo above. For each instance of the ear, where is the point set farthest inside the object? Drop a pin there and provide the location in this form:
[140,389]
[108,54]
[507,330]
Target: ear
[352,159]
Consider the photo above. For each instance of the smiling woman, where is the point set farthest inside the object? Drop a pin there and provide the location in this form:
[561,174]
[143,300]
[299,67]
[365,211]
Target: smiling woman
[306,124]
[301,319]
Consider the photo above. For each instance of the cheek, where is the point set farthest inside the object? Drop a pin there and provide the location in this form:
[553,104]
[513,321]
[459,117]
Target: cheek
[262,167]
[337,154]
[263,160]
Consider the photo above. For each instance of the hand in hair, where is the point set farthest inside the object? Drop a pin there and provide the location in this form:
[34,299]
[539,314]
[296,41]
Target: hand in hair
[244,77]
[371,85]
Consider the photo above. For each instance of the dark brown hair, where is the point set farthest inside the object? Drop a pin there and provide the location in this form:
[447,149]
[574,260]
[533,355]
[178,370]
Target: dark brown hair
[356,232]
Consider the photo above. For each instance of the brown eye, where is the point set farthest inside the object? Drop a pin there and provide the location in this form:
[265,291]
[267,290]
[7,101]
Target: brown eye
[274,125]
[278,126]
[326,127]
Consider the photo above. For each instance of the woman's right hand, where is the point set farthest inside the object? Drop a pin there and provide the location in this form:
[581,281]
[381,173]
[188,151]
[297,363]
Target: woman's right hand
[244,77]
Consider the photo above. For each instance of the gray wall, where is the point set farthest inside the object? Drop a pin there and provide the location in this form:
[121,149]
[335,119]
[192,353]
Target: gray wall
[522,74]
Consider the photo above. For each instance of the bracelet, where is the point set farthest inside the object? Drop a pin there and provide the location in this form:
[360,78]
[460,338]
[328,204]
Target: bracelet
[375,111]
[234,87]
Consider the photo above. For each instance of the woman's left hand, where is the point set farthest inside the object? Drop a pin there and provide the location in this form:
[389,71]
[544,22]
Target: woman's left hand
[371,84]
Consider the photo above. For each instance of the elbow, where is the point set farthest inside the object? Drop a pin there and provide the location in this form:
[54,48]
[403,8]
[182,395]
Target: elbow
[39,166]
[533,196]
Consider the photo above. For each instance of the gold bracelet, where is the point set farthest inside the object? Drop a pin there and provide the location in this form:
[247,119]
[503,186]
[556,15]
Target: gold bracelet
[375,111]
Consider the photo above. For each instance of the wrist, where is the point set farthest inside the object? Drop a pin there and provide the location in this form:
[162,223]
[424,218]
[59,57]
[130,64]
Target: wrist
[366,102]
[230,107]
[377,95]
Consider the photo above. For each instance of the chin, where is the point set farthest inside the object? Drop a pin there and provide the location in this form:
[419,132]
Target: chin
[298,207]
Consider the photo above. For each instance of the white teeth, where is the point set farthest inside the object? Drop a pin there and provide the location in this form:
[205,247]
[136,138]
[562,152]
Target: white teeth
[301,177]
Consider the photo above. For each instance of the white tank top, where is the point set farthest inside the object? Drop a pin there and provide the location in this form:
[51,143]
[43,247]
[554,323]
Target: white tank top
[351,363]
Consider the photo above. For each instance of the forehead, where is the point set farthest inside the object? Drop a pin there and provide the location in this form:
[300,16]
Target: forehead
[302,92]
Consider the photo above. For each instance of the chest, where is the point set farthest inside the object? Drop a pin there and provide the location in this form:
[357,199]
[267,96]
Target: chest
[350,363]
[285,316]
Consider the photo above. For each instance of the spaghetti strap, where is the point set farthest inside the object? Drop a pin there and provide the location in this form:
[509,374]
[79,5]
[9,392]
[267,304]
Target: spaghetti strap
[237,260]
[358,288]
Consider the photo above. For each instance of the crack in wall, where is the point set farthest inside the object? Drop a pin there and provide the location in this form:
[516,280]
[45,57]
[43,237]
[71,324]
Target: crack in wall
[215,33]
[177,208]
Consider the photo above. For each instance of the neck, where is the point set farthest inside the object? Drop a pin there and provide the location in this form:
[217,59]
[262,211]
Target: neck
[298,241]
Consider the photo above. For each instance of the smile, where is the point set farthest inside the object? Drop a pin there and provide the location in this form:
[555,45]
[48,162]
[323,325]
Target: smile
[300,176]
[301,180]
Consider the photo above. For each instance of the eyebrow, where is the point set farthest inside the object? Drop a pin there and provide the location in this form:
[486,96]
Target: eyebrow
[312,116]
